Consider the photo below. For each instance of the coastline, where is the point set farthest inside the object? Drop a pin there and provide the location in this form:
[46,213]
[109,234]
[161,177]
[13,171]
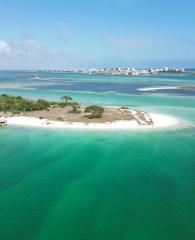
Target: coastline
[71,115]
[159,121]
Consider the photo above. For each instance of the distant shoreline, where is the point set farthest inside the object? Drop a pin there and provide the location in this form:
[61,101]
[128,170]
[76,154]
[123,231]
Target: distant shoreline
[108,70]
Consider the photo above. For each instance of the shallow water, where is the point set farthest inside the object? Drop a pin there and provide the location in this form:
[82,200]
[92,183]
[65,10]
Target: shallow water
[58,184]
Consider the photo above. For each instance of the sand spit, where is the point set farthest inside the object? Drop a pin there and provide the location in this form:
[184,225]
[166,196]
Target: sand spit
[158,121]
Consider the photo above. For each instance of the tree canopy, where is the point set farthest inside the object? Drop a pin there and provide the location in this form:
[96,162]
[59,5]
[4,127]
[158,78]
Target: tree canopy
[96,111]
[17,103]
[67,99]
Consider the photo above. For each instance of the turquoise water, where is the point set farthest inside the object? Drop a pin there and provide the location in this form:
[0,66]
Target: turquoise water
[89,185]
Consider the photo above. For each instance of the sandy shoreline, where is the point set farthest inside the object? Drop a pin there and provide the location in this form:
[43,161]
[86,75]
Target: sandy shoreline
[159,121]
[71,115]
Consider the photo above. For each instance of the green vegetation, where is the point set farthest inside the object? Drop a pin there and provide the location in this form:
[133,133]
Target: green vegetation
[60,104]
[18,104]
[75,107]
[124,108]
[96,111]
[15,112]
[67,99]
[60,119]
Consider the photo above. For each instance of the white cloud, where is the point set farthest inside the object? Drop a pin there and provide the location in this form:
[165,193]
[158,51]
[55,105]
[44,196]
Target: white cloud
[29,44]
[5,48]
[29,54]
[129,42]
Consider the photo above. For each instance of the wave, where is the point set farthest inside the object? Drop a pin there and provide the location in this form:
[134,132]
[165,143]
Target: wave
[157,88]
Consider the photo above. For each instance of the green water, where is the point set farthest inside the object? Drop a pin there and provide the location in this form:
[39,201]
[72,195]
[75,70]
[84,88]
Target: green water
[90,185]
[95,185]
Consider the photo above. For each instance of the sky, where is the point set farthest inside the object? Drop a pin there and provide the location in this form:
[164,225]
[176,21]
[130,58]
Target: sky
[48,34]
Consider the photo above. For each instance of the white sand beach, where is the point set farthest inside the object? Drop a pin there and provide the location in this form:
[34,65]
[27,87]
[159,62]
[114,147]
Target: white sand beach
[159,121]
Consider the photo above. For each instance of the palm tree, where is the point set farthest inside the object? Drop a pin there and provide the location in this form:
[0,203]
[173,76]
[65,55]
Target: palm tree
[67,99]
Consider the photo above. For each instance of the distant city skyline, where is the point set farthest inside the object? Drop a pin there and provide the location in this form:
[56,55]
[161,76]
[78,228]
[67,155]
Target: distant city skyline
[96,34]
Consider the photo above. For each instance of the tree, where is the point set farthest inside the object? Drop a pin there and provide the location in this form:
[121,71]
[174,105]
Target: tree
[67,99]
[96,111]
[41,104]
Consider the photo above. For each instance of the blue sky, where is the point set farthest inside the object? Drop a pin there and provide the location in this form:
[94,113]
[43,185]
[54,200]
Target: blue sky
[96,33]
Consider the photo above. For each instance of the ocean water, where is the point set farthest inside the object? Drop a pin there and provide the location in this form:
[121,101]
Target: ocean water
[88,185]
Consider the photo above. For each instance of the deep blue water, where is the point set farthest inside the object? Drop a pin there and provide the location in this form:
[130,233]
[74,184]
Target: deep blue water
[98,83]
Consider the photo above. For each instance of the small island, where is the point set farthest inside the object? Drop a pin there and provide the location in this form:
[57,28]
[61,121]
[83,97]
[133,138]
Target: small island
[16,110]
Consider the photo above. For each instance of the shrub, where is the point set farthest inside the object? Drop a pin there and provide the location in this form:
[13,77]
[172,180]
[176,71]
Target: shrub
[60,119]
[62,104]
[41,104]
[15,112]
[75,107]
[11,104]
[96,111]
